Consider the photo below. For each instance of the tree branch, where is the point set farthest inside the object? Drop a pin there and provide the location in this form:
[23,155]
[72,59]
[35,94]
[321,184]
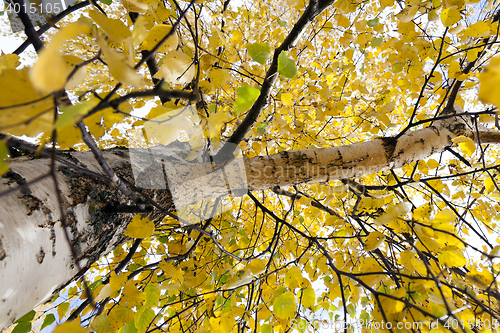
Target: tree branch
[312,10]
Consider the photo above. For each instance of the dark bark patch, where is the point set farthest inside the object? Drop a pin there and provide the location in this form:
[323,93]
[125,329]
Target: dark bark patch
[40,255]
[14,177]
[33,203]
[389,147]
[80,184]
[53,239]
[2,251]
[25,195]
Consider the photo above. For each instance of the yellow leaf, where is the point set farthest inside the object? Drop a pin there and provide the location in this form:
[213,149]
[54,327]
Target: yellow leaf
[454,70]
[215,123]
[216,39]
[468,147]
[219,77]
[256,147]
[332,220]
[101,324]
[495,251]
[156,34]
[287,98]
[222,324]
[444,216]
[118,67]
[9,61]
[116,30]
[307,297]
[29,118]
[489,185]
[51,71]
[105,292]
[450,3]
[451,256]
[479,29]
[139,31]
[117,281]
[471,56]
[140,227]
[343,21]
[70,327]
[68,136]
[374,240]
[284,306]
[136,6]
[176,68]
[432,16]
[167,124]
[293,277]
[490,81]
[131,295]
[62,310]
[432,163]
[450,16]
[79,76]
[370,265]
[257,266]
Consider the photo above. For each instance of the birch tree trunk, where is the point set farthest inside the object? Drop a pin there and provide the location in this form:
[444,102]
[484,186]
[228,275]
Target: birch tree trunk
[35,259]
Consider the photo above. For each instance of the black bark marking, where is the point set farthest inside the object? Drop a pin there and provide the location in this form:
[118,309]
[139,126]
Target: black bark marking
[389,145]
[40,255]
[458,128]
[53,239]
[2,251]
[25,195]
[434,128]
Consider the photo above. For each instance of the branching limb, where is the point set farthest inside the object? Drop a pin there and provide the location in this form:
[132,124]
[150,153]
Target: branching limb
[312,10]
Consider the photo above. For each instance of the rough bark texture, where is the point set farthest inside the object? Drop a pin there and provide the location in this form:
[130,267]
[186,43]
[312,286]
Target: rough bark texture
[35,259]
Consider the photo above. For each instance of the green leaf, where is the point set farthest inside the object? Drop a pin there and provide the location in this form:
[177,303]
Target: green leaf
[49,319]
[376,41]
[282,23]
[128,328]
[247,96]
[22,327]
[284,306]
[27,317]
[72,114]
[261,128]
[101,324]
[143,318]
[95,284]
[286,65]
[133,267]
[106,2]
[152,296]
[372,23]
[259,52]
[4,158]
[266,328]
[24,323]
